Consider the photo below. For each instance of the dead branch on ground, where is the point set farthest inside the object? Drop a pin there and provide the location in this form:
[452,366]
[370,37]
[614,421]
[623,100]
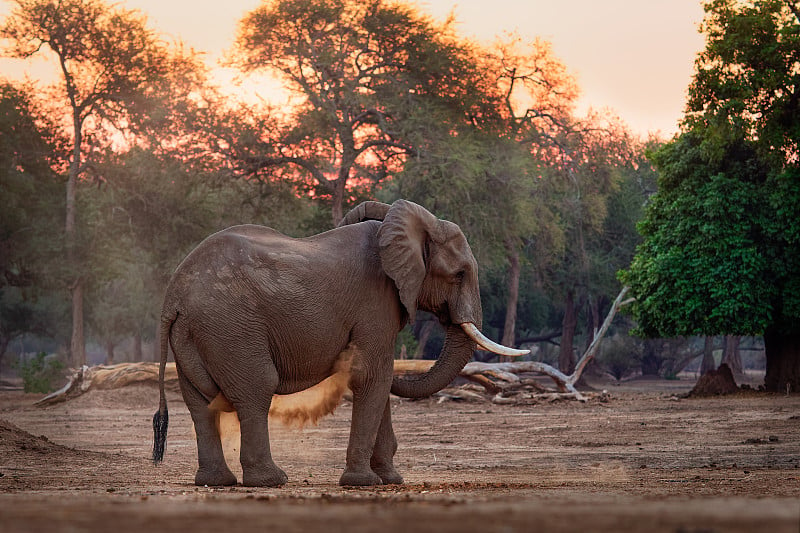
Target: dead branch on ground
[501,379]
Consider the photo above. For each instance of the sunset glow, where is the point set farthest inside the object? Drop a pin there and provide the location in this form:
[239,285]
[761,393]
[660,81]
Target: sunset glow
[635,58]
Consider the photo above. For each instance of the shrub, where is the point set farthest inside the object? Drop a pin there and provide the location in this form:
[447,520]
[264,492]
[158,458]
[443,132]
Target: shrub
[39,372]
[618,356]
[406,338]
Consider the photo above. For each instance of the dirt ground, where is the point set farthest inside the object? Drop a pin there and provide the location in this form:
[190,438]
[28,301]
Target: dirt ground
[640,458]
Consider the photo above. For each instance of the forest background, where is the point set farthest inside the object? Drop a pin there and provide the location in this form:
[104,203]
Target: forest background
[112,174]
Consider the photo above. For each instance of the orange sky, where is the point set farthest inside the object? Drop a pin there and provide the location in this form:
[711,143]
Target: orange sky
[633,56]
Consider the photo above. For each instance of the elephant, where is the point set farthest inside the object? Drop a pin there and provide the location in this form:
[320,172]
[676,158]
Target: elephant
[251,313]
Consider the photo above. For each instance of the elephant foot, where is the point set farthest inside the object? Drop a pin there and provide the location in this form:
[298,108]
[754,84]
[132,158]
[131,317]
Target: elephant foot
[389,476]
[360,479]
[270,477]
[214,478]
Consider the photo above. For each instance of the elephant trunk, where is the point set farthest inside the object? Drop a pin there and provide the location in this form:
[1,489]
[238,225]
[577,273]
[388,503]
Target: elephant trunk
[456,352]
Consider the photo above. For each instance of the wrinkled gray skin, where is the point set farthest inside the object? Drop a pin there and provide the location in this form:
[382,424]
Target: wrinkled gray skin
[251,313]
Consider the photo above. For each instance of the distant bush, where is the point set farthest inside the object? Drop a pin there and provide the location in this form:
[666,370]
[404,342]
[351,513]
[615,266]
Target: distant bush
[40,372]
[619,356]
[406,338]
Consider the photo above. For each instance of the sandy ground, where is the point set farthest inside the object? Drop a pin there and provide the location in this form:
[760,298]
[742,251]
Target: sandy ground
[641,458]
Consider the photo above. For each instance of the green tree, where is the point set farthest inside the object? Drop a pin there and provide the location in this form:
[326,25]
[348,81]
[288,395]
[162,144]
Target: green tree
[720,252]
[112,68]
[536,103]
[30,191]
[597,156]
[484,170]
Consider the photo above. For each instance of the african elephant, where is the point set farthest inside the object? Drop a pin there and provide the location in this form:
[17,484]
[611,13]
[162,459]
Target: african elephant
[251,313]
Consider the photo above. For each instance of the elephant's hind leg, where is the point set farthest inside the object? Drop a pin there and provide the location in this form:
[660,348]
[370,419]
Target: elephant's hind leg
[250,391]
[212,469]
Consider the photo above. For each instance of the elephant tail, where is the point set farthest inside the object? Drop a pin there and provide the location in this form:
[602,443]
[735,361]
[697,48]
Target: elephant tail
[161,417]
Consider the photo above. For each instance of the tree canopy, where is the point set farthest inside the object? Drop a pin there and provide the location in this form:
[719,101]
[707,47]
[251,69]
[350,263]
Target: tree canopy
[373,79]
[720,252]
[29,212]
[115,72]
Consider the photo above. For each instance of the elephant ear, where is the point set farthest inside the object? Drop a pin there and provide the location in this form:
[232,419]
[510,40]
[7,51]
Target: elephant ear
[365,211]
[403,239]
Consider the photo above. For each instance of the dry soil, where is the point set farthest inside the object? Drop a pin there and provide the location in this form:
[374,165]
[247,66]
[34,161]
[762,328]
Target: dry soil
[640,458]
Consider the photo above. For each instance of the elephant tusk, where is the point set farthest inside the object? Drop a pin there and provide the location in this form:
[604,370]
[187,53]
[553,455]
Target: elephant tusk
[475,334]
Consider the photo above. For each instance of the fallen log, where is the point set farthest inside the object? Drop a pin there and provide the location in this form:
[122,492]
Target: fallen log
[496,378]
[506,375]
[108,377]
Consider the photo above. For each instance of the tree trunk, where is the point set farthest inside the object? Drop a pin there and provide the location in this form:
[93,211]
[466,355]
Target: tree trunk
[425,331]
[783,361]
[4,342]
[731,355]
[137,347]
[337,200]
[109,352]
[77,345]
[651,359]
[707,365]
[77,341]
[566,357]
[509,327]
[592,319]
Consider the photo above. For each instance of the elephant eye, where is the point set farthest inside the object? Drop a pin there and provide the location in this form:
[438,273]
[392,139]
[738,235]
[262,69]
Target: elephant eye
[459,276]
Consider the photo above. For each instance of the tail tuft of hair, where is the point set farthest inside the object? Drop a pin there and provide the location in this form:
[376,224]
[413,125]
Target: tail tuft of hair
[160,423]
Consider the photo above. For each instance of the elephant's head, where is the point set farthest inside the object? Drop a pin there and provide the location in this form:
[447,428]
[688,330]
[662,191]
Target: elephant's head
[434,270]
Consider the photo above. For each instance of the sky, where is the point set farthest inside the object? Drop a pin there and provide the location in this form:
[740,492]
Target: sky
[632,57]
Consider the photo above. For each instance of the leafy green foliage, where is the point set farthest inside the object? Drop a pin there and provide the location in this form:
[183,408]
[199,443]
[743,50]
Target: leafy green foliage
[29,272]
[702,268]
[618,356]
[719,254]
[40,373]
[28,186]
[747,79]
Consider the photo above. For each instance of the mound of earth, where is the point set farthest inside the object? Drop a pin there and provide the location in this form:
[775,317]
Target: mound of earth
[13,439]
[715,383]
[30,462]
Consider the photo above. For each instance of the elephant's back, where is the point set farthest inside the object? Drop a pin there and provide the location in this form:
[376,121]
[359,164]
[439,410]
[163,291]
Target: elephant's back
[262,260]
[230,246]
[217,262]
[250,264]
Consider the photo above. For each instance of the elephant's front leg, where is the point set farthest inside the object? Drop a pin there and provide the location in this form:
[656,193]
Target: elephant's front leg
[370,396]
[382,461]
